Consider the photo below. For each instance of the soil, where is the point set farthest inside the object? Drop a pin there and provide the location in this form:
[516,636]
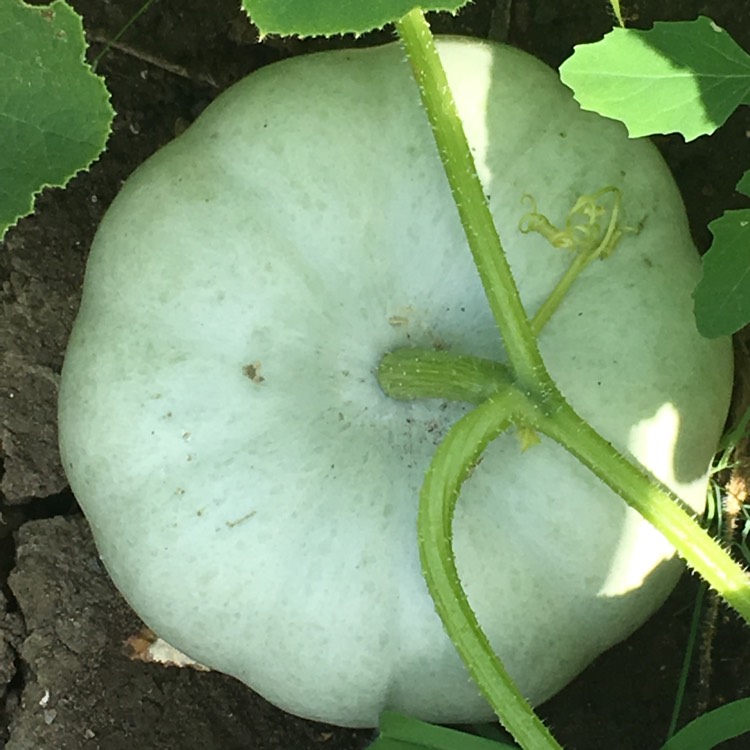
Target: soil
[68,682]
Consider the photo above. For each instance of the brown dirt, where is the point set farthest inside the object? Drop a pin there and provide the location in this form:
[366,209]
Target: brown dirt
[69,685]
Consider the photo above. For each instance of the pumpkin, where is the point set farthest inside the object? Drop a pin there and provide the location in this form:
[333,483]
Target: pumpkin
[253,492]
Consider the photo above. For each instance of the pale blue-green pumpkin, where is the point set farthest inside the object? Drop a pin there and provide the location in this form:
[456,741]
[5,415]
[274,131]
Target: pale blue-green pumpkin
[252,491]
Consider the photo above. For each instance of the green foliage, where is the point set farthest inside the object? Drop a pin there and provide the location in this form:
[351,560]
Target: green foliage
[329,17]
[722,297]
[685,77]
[716,726]
[404,733]
[704,733]
[55,114]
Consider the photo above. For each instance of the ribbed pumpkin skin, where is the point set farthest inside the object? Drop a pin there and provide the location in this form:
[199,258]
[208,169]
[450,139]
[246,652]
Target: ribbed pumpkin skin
[252,491]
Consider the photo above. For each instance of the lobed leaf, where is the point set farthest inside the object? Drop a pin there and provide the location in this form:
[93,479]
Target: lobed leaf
[722,296]
[328,17]
[55,114]
[684,76]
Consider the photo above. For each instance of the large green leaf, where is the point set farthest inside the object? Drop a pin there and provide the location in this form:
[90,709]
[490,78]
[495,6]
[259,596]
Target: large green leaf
[685,77]
[722,297]
[327,17]
[55,114]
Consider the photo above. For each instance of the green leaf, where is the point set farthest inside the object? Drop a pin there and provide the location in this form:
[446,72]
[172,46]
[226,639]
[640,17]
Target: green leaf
[685,77]
[716,726]
[743,186]
[55,114]
[404,733]
[328,17]
[722,296]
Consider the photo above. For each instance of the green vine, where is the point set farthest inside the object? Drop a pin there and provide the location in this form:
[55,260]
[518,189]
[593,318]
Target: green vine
[468,193]
[523,395]
[591,232]
[451,465]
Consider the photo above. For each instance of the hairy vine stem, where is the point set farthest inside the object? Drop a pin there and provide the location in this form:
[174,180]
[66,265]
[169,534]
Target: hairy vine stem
[522,394]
